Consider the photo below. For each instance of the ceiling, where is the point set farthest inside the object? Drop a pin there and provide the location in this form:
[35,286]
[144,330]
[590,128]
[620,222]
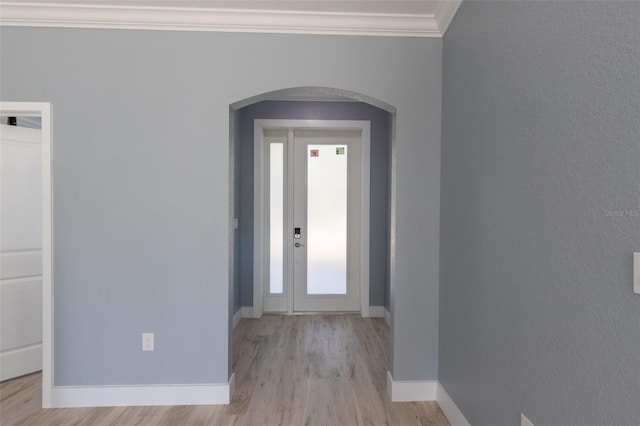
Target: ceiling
[417,18]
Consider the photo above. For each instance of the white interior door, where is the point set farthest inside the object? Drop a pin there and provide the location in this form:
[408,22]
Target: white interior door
[20,251]
[313,219]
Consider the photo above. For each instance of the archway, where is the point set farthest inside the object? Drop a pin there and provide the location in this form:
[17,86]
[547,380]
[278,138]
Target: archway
[241,308]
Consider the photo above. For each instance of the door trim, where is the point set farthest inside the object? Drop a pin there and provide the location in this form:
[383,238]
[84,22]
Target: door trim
[259,203]
[43,110]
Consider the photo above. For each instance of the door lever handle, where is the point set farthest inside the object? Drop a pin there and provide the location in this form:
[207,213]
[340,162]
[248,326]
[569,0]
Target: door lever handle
[299,245]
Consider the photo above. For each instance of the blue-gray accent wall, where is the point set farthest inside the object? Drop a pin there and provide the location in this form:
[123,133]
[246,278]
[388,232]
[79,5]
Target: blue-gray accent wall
[141,186]
[540,149]
[380,174]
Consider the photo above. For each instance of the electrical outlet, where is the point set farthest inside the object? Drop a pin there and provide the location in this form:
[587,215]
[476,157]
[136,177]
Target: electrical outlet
[147,342]
[525,421]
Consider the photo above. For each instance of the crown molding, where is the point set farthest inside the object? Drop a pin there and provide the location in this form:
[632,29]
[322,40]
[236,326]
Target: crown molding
[444,14]
[76,15]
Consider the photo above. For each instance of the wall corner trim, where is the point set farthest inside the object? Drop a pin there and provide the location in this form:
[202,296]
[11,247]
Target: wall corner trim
[117,396]
[425,390]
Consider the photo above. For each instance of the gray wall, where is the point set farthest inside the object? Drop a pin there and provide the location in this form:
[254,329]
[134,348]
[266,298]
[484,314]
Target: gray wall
[540,139]
[380,173]
[141,185]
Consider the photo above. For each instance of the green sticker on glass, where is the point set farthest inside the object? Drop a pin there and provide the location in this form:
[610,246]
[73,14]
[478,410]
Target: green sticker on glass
[340,151]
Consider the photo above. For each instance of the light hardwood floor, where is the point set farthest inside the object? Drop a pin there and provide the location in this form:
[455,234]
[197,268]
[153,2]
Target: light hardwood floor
[290,370]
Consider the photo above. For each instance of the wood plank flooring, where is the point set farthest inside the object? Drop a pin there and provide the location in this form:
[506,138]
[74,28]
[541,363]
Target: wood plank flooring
[290,370]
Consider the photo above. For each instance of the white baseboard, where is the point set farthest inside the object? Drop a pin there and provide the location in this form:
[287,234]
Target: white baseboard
[411,390]
[425,390]
[449,408]
[18,362]
[380,312]
[243,312]
[236,318]
[376,311]
[232,388]
[116,396]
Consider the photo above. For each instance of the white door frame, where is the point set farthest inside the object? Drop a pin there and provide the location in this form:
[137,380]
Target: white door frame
[259,203]
[43,110]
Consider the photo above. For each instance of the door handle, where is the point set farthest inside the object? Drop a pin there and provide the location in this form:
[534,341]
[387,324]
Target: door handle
[299,245]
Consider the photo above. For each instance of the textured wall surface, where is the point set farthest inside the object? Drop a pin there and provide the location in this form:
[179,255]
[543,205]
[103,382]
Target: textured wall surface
[540,199]
[380,173]
[141,185]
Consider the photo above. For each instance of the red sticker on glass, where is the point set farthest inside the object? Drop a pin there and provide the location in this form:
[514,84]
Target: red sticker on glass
[314,153]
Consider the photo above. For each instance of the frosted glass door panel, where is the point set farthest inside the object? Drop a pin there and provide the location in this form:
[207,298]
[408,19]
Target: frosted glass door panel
[327,219]
[276,218]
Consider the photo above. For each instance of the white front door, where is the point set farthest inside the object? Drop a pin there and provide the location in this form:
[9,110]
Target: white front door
[326,211]
[20,251]
[313,204]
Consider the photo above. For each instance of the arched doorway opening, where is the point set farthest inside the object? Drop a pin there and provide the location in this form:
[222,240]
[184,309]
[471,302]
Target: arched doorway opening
[311,104]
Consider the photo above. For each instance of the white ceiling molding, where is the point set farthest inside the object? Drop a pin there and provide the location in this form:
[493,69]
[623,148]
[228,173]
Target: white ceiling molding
[169,15]
[444,14]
